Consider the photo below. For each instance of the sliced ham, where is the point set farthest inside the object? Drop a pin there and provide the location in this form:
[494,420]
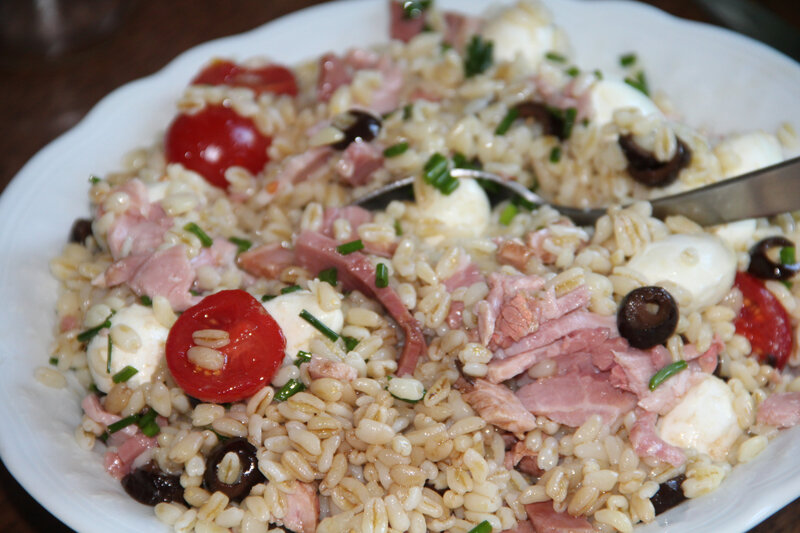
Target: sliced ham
[523,526]
[460,28]
[221,254]
[553,330]
[316,252]
[267,260]
[671,392]
[322,367]
[501,287]
[335,71]
[166,273]
[498,406]
[577,341]
[647,443]
[545,519]
[513,252]
[298,168]
[523,459]
[780,410]
[571,399]
[140,228]
[302,508]
[119,463]
[359,160]
[402,28]
[467,275]
[455,316]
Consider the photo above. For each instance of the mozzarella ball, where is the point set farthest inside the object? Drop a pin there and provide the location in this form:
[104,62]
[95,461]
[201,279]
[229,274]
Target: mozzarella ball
[463,213]
[607,96]
[286,308]
[523,30]
[741,154]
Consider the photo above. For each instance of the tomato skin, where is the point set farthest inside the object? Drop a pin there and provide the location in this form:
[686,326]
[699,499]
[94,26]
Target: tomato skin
[763,321]
[252,357]
[214,139]
[269,79]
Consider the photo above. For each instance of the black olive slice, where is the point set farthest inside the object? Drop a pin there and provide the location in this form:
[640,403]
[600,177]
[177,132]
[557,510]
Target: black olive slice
[669,494]
[761,266]
[149,485]
[647,170]
[540,113]
[81,229]
[357,126]
[647,317]
[250,474]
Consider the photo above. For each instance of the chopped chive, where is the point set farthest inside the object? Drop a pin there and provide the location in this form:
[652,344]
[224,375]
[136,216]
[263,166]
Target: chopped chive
[667,372]
[146,300]
[194,292]
[627,60]
[461,161]
[507,121]
[478,56]
[413,9]
[350,247]
[445,47]
[291,289]
[787,284]
[108,358]
[291,388]
[94,180]
[396,149]
[508,214]
[598,74]
[434,168]
[639,83]
[242,244]
[54,361]
[555,56]
[104,437]
[302,357]
[87,335]
[329,275]
[147,418]
[350,343]
[449,185]
[407,110]
[788,255]
[398,229]
[314,321]
[381,276]
[205,240]
[267,297]
[570,114]
[123,423]
[573,71]
[124,375]
[93,389]
[150,430]
[483,527]
[555,154]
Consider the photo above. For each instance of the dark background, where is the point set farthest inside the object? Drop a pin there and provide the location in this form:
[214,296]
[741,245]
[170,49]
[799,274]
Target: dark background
[41,97]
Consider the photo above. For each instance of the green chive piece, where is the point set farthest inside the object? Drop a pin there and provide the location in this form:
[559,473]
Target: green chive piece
[483,527]
[242,244]
[123,423]
[53,361]
[322,328]
[302,357]
[291,289]
[94,180]
[507,121]
[556,57]
[147,423]
[350,343]
[555,154]
[407,110]
[89,334]
[267,297]
[478,57]
[350,247]
[573,71]
[146,300]
[667,372]
[93,389]
[639,82]
[147,418]
[435,167]
[398,229]
[508,214]
[627,60]
[444,47]
[124,375]
[788,255]
[329,275]
[787,284]
[108,359]
[413,9]
[104,437]
[570,114]
[461,161]
[598,74]
[291,388]
[205,240]
[396,149]
[150,430]
[381,276]
[449,185]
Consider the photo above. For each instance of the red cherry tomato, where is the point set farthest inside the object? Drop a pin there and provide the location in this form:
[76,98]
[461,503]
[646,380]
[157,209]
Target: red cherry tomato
[214,139]
[252,356]
[763,321]
[270,79]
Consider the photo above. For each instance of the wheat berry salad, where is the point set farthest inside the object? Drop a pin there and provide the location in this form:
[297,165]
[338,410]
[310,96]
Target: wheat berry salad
[259,354]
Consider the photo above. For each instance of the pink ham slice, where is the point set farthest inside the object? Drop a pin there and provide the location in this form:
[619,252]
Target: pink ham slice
[571,399]
[267,260]
[322,367]
[647,443]
[669,394]
[166,273]
[553,330]
[498,406]
[359,160]
[460,28]
[522,527]
[317,252]
[501,287]
[300,167]
[119,463]
[513,252]
[545,519]
[402,28]
[523,459]
[140,229]
[302,508]
[335,71]
[780,410]
[467,275]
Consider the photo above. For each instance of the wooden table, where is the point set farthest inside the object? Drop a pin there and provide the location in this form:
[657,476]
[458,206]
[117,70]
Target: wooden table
[41,98]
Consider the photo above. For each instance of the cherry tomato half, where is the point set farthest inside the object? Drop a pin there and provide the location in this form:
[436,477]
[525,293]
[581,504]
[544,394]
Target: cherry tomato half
[214,139]
[269,79]
[253,355]
[763,321]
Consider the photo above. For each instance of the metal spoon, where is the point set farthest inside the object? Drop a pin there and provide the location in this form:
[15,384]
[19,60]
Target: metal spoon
[761,193]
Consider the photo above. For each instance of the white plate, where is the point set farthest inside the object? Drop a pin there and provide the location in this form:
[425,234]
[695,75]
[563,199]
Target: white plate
[720,81]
